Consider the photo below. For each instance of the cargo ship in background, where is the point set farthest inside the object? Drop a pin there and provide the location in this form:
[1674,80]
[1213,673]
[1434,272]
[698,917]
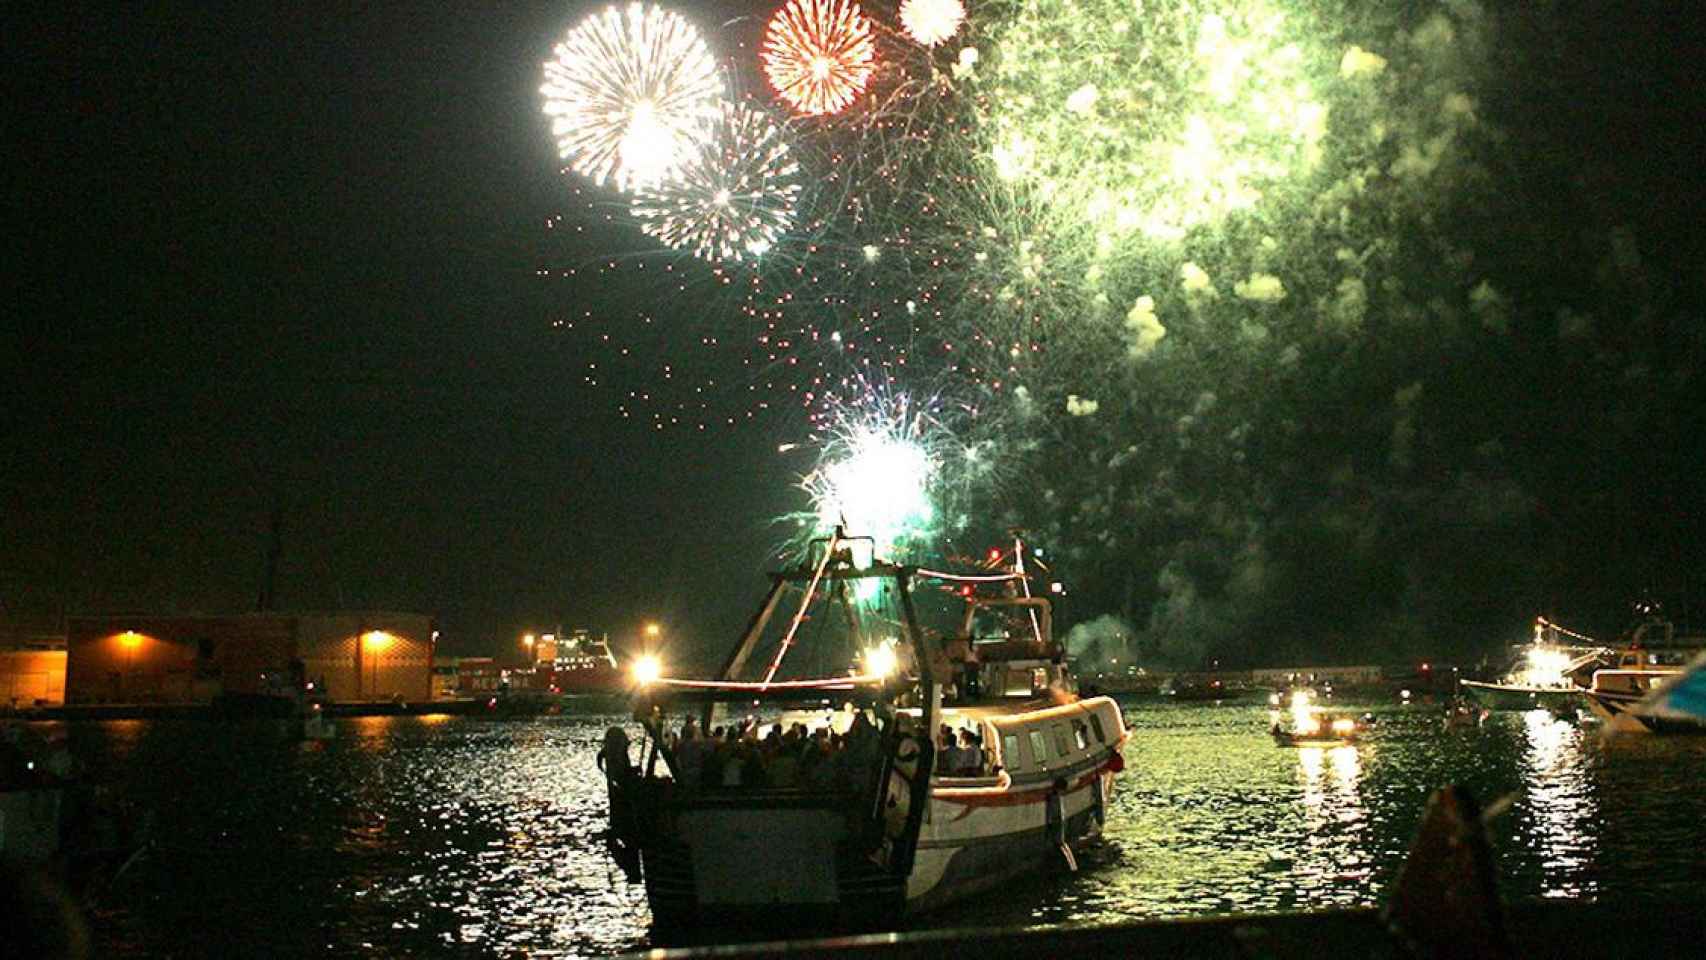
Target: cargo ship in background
[578,663]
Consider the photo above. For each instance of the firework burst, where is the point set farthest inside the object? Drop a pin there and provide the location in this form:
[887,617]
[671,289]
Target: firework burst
[875,480]
[732,196]
[931,21]
[628,94]
[818,54]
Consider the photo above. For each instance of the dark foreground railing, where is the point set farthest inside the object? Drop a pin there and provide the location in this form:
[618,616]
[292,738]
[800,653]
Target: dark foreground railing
[1540,929]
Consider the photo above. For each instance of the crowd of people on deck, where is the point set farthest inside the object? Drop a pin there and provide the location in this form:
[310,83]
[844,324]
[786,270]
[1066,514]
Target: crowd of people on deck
[736,756]
[749,754]
[961,755]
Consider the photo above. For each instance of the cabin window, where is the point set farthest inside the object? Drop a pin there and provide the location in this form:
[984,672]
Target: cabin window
[1081,734]
[1010,750]
[1096,725]
[1060,743]
[1039,747]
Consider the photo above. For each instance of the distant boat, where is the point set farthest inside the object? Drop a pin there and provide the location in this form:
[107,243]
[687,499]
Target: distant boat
[1310,727]
[1548,674]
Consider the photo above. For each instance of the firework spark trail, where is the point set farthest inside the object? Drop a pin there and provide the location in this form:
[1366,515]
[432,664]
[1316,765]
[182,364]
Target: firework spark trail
[628,91]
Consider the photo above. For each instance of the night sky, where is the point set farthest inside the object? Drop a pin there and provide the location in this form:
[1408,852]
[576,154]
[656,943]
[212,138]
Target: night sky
[268,257]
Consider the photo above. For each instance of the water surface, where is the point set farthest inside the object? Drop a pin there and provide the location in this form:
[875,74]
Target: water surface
[482,837]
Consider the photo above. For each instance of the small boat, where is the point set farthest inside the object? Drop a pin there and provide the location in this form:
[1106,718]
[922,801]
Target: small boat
[831,798]
[1324,737]
[1310,727]
[1463,715]
[316,725]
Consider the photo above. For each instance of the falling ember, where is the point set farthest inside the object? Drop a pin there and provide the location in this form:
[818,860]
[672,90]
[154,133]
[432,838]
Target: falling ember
[818,54]
[628,94]
[733,195]
[931,21]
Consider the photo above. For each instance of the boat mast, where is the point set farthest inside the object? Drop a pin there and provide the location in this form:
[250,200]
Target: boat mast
[805,603]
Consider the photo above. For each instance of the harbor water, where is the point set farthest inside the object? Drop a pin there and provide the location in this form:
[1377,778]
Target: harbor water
[414,835]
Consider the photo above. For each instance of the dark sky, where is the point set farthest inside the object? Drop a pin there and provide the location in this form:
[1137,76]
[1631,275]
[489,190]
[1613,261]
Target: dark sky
[277,256]
[280,254]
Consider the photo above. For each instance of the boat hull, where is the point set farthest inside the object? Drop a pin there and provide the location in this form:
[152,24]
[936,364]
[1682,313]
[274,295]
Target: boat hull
[971,845]
[749,859]
[1288,740]
[1502,696]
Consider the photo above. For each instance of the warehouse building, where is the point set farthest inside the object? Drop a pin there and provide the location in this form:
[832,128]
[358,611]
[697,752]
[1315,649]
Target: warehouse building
[367,655]
[32,662]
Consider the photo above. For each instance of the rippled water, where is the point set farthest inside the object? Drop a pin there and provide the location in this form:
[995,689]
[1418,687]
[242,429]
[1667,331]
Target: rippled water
[413,835]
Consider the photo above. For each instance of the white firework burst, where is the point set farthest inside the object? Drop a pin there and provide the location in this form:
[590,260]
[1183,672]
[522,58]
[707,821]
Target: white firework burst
[628,93]
[732,196]
[931,21]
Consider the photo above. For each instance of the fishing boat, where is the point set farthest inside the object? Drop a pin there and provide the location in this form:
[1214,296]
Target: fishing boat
[1655,654]
[1550,671]
[829,794]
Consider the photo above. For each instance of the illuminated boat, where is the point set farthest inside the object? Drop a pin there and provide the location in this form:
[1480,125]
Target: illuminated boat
[1549,673]
[1309,727]
[841,802]
[1655,654]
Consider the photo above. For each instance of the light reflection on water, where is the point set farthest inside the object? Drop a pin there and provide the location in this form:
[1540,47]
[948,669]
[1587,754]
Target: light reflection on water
[1558,800]
[483,837]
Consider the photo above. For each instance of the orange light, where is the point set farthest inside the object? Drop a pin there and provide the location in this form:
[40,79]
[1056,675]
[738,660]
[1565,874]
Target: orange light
[131,639]
[376,639]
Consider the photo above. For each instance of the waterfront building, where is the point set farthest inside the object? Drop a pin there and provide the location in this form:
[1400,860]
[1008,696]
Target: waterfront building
[32,662]
[1353,676]
[356,655]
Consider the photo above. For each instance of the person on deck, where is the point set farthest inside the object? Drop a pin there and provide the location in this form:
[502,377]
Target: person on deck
[613,756]
[690,755]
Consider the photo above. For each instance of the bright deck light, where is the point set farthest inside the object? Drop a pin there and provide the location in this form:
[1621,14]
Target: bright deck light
[880,661]
[1546,666]
[647,670]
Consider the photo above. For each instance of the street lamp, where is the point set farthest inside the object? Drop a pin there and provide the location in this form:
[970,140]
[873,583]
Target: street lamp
[131,641]
[652,630]
[377,641]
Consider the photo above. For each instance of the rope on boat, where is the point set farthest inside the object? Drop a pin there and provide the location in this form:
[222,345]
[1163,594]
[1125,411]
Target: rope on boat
[967,578]
[1542,621]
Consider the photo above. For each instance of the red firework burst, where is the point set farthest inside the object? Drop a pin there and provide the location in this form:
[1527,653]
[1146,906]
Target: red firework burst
[818,54]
